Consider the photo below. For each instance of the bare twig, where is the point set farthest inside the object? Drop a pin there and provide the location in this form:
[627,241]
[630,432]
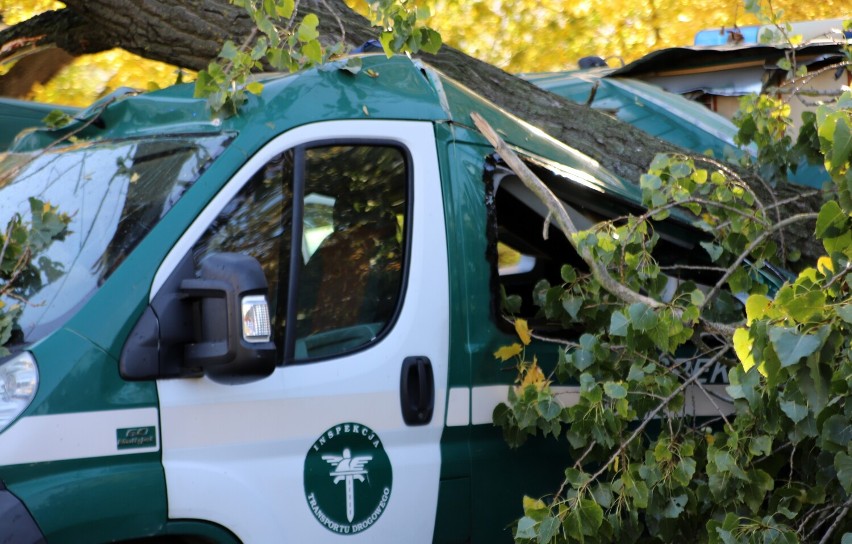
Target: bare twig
[837,520]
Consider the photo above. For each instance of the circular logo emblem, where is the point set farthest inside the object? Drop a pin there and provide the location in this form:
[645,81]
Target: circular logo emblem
[347,478]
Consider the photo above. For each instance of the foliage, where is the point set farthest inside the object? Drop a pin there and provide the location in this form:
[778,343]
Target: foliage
[776,464]
[22,262]
[508,35]
[89,77]
[285,45]
[531,36]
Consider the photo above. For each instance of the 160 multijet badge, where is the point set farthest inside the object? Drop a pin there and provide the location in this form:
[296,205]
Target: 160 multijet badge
[348,478]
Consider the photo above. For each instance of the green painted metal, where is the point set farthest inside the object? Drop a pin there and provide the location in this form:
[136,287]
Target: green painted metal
[77,376]
[462,101]
[665,115]
[18,115]
[481,489]
[104,499]
[662,114]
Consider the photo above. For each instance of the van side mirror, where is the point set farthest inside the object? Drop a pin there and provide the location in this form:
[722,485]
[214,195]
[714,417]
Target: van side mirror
[215,324]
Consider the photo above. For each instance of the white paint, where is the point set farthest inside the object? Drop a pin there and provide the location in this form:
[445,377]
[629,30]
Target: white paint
[711,401]
[458,407]
[78,435]
[235,454]
[485,398]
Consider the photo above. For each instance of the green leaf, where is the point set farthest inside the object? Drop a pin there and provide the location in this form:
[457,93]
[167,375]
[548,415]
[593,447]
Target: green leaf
[57,119]
[714,250]
[589,515]
[229,50]
[845,312]
[806,305]
[548,529]
[615,390]
[684,471]
[569,275]
[796,412]
[640,494]
[642,316]
[760,445]
[618,324]
[255,87]
[526,528]
[284,8]
[313,51]
[791,346]
[430,41]
[675,505]
[549,409]
[843,466]
[571,304]
[842,145]
[837,429]
[353,65]
[831,221]
[744,385]
[307,30]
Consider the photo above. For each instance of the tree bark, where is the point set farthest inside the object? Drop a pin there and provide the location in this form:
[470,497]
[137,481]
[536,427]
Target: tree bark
[189,33]
[39,67]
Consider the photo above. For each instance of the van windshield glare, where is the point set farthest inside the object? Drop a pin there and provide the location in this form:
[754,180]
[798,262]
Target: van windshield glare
[115,191]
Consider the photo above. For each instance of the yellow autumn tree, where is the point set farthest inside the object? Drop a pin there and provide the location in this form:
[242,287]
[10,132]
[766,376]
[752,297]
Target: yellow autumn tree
[517,36]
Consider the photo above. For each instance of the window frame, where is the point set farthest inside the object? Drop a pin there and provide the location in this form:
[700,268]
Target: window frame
[288,348]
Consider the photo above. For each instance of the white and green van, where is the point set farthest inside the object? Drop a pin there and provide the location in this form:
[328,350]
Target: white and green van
[280,326]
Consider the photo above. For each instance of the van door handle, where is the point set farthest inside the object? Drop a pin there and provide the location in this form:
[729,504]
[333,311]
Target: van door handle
[417,390]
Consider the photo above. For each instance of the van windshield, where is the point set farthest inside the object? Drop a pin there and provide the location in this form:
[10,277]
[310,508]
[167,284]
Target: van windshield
[115,191]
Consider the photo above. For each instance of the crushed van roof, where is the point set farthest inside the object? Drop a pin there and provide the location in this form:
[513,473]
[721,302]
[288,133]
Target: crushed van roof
[397,88]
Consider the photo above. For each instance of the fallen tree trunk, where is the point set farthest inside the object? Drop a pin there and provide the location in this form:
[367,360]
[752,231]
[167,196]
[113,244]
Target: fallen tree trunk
[189,33]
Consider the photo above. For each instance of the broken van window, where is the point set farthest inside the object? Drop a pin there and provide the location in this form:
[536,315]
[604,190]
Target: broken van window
[528,253]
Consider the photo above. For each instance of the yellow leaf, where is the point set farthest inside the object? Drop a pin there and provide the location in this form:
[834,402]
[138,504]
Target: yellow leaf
[825,265]
[533,376]
[507,352]
[255,87]
[757,307]
[533,504]
[523,331]
[743,345]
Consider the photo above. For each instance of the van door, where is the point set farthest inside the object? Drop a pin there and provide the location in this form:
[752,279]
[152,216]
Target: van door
[341,442]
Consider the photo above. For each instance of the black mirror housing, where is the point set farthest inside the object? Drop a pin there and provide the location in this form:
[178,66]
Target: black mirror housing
[194,326]
[220,347]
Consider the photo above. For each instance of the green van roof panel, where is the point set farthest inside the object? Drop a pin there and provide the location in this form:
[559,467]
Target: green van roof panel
[397,88]
[461,101]
[665,115]
[18,115]
[384,89]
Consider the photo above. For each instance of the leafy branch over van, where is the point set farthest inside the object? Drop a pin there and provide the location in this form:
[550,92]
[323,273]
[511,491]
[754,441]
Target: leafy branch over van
[773,461]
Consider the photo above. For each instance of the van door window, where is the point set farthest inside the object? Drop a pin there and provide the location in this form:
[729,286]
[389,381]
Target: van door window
[340,249]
